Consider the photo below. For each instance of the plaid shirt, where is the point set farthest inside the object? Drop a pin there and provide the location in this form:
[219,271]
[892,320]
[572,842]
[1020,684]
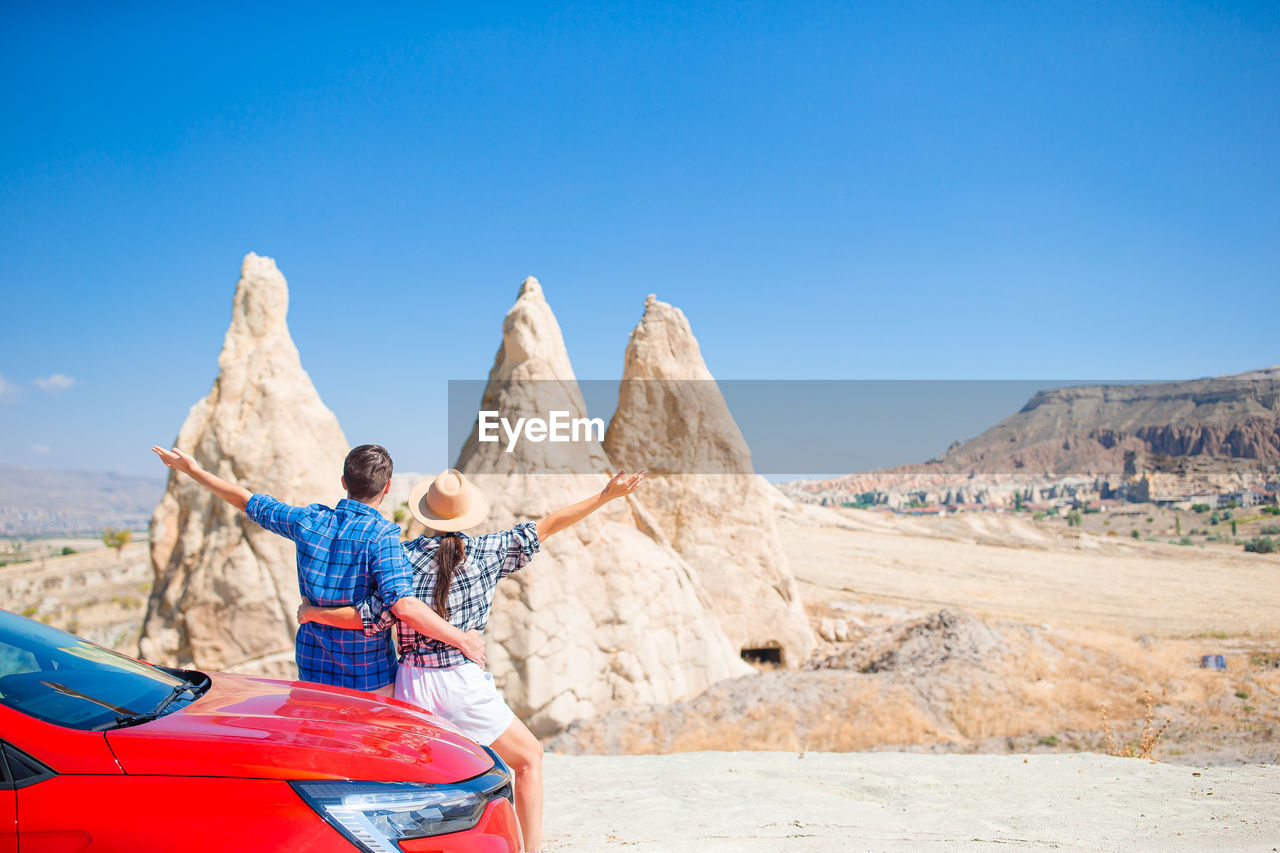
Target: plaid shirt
[488,559]
[344,554]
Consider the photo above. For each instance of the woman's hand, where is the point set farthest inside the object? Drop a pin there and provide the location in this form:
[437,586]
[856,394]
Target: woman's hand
[304,611]
[621,485]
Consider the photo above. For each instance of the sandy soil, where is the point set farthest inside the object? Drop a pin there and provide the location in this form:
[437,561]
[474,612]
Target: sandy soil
[772,802]
[33,547]
[1014,568]
[96,593]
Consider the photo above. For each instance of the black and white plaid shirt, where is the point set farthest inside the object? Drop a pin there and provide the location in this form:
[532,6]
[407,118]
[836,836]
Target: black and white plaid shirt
[488,559]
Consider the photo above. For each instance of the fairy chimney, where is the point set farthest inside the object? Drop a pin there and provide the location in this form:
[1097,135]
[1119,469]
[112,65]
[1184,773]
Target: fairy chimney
[702,490]
[226,591]
[608,616]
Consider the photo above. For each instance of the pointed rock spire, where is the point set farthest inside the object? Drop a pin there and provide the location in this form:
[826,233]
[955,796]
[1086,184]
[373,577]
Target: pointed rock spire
[608,616]
[702,491]
[225,590]
[531,377]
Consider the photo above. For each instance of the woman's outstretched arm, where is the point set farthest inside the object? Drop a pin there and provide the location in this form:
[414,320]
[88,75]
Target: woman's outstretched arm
[618,487]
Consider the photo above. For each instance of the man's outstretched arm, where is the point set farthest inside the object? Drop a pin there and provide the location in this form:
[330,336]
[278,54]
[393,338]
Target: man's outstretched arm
[176,459]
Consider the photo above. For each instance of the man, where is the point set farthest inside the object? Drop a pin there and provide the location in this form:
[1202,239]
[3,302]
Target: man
[344,554]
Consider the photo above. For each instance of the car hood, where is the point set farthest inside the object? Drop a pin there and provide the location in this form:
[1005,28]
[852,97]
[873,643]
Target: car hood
[266,729]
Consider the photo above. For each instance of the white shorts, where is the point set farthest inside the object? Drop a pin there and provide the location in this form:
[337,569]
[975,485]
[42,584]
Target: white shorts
[465,695]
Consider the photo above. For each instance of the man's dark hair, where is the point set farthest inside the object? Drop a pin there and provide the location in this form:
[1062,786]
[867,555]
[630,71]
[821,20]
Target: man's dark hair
[367,470]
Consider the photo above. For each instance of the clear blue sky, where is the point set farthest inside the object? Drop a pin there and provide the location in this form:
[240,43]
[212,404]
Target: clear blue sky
[907,190]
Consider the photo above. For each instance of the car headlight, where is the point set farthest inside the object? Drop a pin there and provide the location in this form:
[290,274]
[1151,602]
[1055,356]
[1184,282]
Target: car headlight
[375,816]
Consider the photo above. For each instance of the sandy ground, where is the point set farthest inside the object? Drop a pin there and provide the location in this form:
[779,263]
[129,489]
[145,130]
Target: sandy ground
[1015,568]
[95,593]
[773,802]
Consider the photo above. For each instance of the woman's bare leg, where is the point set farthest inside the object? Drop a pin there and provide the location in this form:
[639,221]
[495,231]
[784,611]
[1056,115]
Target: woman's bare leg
[523,754]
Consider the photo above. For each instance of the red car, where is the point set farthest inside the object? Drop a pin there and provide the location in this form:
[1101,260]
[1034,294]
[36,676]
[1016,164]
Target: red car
[102,752]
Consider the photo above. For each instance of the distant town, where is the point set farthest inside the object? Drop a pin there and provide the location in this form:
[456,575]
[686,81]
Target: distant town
[40,521]
[1197,501]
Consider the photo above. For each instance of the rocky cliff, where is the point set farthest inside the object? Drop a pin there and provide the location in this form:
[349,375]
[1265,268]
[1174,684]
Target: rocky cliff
[226,590]
[1087,429]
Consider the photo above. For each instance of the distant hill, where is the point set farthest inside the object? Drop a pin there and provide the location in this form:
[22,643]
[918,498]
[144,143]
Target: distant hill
[1087,429]
[37,501]
[1213,433]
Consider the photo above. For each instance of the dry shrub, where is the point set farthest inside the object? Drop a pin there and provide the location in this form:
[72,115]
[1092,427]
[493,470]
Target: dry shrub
[1059,682]
[865,718]
[1055,681]
[1148,740]
[772,725]
[1051,685]
[1268,681]
[884,717]
[983,712]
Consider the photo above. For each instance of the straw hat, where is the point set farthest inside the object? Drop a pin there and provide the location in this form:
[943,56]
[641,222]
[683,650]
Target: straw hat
[448,502]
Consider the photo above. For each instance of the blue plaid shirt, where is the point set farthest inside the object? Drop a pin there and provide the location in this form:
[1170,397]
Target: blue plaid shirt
[489,558]
[344,555]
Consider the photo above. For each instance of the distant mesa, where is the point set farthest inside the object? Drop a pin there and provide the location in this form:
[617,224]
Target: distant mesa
[1087,429]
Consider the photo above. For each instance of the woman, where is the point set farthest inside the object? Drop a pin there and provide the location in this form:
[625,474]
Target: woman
[457,574]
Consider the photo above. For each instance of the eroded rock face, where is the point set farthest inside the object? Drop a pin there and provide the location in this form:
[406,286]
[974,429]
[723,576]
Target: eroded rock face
[607,616]
[702,490]
[226,590]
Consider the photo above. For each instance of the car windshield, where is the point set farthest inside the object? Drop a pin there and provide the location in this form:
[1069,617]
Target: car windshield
[59,678]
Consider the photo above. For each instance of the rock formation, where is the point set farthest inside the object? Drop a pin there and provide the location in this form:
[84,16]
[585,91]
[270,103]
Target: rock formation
[226,590]
[608,616]
[702,490]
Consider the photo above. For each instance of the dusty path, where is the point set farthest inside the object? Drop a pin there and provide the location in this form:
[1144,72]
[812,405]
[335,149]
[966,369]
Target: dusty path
[1018,569]
[774,802]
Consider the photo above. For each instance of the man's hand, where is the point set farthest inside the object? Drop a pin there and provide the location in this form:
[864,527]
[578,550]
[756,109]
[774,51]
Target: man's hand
[472,646]
[304,611]
[177,460]
[237,496]
[621,485]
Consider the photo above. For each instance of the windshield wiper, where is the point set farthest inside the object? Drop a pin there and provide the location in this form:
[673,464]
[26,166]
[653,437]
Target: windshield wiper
[133,719]
[76,694]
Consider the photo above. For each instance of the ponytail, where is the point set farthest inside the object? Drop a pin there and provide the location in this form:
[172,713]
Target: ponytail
[449,556]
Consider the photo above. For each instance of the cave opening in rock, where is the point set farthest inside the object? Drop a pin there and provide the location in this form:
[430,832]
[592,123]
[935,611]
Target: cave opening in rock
[763,656]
